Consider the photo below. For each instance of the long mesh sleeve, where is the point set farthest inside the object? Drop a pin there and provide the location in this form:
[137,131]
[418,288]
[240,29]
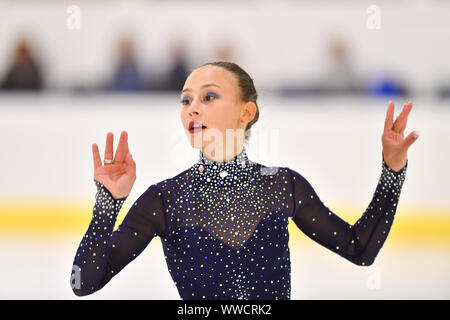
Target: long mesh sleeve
[103,252]
[360,242]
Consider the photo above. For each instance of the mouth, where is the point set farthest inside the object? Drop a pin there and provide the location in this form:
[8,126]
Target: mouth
[196,126]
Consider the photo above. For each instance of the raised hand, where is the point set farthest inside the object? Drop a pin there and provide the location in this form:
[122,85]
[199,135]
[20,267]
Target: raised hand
[395,146]
[118,177]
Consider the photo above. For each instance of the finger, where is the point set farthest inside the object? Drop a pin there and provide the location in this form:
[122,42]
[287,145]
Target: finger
[398,124]
[389,117]
[109,146]
[410,139]
[96,156]
[129,159]
[402,119]
[407,112]
[122,148]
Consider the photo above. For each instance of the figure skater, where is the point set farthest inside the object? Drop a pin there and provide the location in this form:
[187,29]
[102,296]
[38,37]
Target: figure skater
[223,222]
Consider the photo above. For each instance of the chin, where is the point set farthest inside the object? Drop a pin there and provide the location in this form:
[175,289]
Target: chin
[197,142]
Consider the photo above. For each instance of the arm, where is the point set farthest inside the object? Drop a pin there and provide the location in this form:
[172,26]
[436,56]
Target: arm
[102,253]
[358,243]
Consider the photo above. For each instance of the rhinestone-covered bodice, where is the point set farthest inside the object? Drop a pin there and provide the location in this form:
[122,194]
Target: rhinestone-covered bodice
[224,228]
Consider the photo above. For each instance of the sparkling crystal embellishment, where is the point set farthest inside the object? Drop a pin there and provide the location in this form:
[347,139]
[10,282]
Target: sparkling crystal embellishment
[223,174]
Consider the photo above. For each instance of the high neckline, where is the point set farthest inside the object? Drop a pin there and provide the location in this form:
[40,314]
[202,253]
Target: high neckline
[242,156]
[222,173]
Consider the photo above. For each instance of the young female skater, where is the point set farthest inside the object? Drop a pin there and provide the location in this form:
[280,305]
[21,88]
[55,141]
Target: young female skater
[223,221]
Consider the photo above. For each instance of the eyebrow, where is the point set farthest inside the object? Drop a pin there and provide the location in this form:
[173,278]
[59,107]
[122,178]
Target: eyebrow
[205,85]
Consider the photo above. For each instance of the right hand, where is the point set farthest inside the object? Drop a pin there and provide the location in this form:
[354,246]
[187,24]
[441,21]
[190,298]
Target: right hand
[117,178]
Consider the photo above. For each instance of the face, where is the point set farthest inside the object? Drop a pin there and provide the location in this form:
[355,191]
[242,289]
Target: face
[210,96]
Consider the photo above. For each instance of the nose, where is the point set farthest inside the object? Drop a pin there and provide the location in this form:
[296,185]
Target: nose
[194,108]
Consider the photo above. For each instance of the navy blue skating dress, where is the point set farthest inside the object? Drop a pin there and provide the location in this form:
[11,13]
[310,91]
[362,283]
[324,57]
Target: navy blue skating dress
[224,229]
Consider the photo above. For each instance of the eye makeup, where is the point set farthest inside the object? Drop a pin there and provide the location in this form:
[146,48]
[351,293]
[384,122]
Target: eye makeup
[212,94]
[207,95]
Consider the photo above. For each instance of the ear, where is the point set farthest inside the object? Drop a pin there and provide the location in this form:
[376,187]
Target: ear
[248,112]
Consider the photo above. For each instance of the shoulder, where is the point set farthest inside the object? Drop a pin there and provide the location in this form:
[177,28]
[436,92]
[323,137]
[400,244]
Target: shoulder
[155,191]
[172,182]
[292,172]
[275,173]
[296,176]
[265,170]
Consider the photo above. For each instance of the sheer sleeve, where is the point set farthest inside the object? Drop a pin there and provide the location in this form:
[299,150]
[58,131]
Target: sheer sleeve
[360,242]
[103,252]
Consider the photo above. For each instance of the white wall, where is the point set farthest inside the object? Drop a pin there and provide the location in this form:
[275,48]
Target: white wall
[335,144]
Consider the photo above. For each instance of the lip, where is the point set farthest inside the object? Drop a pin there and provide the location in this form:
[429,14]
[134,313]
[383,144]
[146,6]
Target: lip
[191,125]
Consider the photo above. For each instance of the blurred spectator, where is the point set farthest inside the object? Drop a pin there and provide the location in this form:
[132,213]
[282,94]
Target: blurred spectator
[179,70]
[127,76]
[338,77]
[443,87]
[340,74]
[224,51]
[25,72]
[385,84]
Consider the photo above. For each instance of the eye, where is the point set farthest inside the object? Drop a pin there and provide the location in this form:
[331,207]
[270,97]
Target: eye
[184,100]
[210,95]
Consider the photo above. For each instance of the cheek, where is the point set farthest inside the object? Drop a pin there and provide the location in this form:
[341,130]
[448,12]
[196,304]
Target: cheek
[225,119]
[223,122]
[183,116]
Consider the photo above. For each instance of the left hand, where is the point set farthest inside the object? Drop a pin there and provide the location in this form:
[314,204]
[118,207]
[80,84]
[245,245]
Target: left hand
[395,147]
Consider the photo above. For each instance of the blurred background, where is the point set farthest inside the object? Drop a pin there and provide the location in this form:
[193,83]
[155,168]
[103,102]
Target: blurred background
[71,71]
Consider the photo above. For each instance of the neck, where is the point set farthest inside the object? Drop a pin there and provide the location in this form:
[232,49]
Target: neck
[225,156]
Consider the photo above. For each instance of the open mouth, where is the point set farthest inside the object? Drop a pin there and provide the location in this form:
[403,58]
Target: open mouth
[196,126]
